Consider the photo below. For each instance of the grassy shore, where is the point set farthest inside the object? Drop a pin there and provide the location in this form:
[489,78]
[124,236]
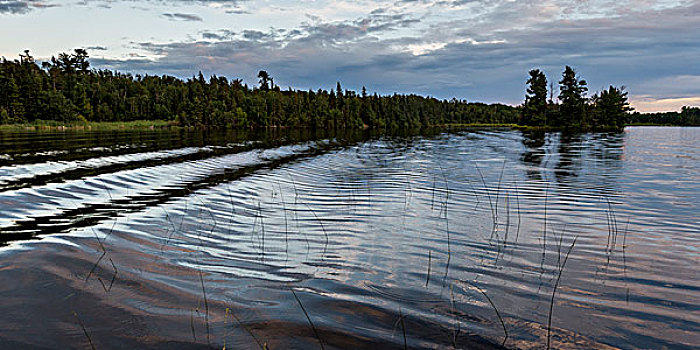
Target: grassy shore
[481,125]
[51,125]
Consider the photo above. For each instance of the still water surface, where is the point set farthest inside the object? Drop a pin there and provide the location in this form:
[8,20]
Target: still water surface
[204,239]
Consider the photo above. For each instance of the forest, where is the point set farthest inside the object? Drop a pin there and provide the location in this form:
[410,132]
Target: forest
[66,89]
[606,109]
[688,116]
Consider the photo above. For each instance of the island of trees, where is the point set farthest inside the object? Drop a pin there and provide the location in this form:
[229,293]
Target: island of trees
[65,89]
[607,109]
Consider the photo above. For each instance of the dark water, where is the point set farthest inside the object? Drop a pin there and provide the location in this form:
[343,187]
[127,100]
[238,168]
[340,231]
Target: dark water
[204,239]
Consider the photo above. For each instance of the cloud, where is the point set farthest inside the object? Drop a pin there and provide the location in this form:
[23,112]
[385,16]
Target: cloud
[21,6]
[650,104]
[237,11]
[221,34]
[183,17]
[683,85]
[96,48]
[39,4]
[13,7]
[482,54]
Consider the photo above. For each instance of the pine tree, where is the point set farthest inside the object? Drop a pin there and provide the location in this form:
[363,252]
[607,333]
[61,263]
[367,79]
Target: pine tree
[572,94]
[611,107]
[535,107]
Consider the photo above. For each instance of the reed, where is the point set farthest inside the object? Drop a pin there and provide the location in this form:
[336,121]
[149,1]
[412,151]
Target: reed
[498,188]
[493,305]
[505,237]
[609,226]
[261,344]
[308,318]
[323,228]
[458,327]
[561,243]
[206,306]
[104,250]
[402,317]
[476,195]
[554,292]
[182,223]
[194,332]
[211,215]
[226,312]
[445,205]
[114,277]
[87,335]
[494,215]
[252,233]
[427,277]
[233,208]
[544,229]
[517,201]
[296,213]
[186,194]
[614,222]
[286,227]
[262,226]
[624,261]
[432,200]
[170,222]
[104,253]
[612,226]
[97,263]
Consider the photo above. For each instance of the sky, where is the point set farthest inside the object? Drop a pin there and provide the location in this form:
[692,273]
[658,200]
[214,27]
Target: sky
[474,50]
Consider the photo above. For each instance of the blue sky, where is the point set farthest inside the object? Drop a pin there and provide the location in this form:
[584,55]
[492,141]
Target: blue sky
[478,50]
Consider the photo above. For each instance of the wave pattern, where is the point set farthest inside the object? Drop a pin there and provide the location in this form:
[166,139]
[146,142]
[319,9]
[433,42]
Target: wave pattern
[451,240]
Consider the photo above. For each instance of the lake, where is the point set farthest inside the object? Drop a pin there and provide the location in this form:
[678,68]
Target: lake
[475,238]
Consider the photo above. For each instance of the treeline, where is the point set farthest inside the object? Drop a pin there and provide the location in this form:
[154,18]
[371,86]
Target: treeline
[606,109]
[66,89]
[689,116]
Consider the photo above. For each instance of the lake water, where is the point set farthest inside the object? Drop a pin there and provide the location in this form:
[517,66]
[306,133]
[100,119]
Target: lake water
[211,239]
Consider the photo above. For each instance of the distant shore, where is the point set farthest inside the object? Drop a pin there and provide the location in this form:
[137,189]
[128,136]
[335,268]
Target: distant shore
[48,125]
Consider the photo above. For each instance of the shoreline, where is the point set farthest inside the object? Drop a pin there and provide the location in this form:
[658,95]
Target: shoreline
[59,126]
[163,124]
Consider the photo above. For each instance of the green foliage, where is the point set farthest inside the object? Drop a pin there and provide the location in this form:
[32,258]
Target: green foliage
[689,116]
[572,94]
[535,107]
[265,80]
[66,90]
[55,106]
[4,116]
[610,108]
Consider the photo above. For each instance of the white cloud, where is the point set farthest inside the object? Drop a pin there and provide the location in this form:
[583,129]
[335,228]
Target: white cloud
[474,49]
[651,104]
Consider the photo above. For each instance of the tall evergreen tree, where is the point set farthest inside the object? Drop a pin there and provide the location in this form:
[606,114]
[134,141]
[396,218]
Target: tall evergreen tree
[264,80]
[610,107]
[535,107]
[572,94]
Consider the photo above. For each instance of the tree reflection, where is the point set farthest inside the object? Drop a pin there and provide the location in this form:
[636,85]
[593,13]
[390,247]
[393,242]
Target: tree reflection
[534,142]
[576,159]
